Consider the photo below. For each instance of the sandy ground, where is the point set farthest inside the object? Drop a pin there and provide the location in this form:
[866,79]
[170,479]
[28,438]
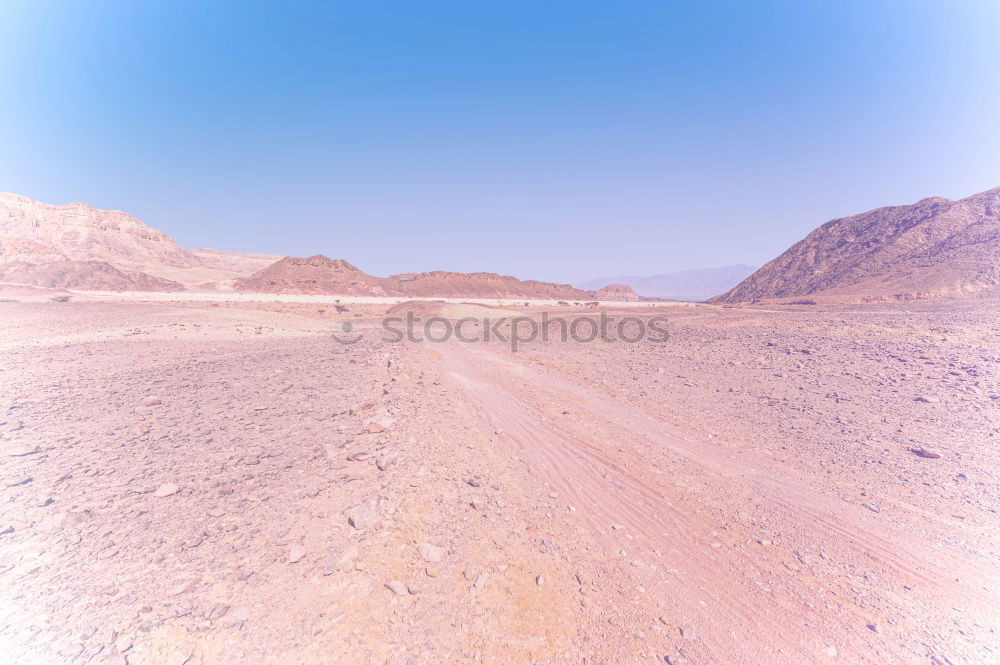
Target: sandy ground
[227,483]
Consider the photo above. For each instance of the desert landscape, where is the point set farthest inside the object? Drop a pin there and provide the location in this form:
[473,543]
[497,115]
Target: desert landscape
[255,471]
[520,333]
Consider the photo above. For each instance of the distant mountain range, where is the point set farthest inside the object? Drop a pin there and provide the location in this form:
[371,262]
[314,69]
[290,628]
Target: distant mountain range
[77,246]
[684,285]
[935,248]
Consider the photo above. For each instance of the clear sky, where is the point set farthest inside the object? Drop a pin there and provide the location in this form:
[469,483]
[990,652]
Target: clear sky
[548,140]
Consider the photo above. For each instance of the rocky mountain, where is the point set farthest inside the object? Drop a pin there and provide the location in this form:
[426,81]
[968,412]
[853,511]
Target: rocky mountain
[690,285]
[935,248]
[617,292]
[35,234]
[322,275]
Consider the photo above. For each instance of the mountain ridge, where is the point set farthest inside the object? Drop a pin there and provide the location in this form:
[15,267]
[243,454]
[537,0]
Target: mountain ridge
[934,248]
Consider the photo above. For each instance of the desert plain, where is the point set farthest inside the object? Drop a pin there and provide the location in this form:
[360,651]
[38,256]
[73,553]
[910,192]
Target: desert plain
[217,480]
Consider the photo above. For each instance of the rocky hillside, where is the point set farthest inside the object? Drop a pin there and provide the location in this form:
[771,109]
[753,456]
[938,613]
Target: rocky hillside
[84,275]
[321,275]
[935,248]
[36,234]
[618,292]
[314,275]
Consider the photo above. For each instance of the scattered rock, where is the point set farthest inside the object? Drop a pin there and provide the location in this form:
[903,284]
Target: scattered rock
[928,453]
[340,559]
[873,507]
[363,515]
[397,587]
[166,490]
[928,400]
[295,553]
[431,553]
[151,401]
[183,587]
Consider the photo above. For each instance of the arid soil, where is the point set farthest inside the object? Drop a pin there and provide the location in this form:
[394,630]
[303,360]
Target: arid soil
[229,483]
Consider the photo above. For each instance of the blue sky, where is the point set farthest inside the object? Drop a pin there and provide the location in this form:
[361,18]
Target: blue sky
[549,140]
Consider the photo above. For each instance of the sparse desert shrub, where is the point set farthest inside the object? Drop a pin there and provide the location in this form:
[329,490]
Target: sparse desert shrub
[7,300]
[61,298]
[341,308]
[563,303]
[804,301]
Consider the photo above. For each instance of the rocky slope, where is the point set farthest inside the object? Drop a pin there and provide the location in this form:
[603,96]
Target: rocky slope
[37,233]
[935,248]
[84,275]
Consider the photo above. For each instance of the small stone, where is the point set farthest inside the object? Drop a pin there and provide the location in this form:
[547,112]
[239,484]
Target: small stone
[340,560]
[830,651]
[166,490]
[151,401]
[358,455]
[873,507]
[473,482]
[397,587]
[539,580]
[218,611]
[216,512]
[183,587]
[363,515]
[928,453]
[386,459]
[927,399]
[295,553]
[22,451]
[431,553]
